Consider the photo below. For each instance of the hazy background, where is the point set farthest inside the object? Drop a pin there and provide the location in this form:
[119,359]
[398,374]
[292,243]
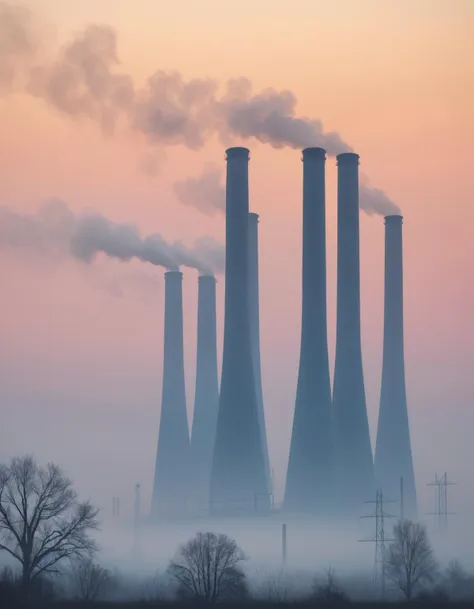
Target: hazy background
[81,346]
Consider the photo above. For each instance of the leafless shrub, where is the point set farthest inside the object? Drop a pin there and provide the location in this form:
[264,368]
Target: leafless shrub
[329,591]
[207,568]
[90,580]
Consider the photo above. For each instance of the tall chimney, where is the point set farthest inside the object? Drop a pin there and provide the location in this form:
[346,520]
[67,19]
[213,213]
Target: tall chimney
[254,304]
[206,399]
[310,467]
[238,472]
[172,457]
[393,456]
[353,449]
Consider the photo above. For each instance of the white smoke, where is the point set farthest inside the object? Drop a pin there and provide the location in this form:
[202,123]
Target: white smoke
[56,231]
[85,80]
[205,191]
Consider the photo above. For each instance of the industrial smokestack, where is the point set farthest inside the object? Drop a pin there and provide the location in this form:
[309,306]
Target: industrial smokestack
[206,399]
[393,456]
[310,468]
[353,450]
[254,304]
[238,472]
[172,458]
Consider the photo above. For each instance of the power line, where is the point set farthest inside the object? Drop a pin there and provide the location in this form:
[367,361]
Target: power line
[379,539]
[441,512]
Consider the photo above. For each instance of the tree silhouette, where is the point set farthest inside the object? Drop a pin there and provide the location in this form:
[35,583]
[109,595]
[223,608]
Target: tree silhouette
[207,568]
[410,558]
[41,521]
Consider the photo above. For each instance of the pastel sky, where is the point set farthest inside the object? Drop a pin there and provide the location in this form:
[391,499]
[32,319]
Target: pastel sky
[81,346]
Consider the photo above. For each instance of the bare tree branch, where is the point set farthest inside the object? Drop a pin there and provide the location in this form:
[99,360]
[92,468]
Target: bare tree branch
[208,568]
[41,520]
[411,560]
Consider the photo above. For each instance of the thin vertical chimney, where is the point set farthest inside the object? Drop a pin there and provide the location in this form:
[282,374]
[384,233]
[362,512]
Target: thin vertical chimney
[310,468]
[353,449]
[238,472]
[255,336]
[172,458]
[206,398]
[393,456]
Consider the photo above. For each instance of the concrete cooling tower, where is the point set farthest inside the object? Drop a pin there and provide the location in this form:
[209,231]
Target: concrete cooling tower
[310,476]
[393,456]
[206,398]
[238,480]
[353,449]
[255,336]
[172,458]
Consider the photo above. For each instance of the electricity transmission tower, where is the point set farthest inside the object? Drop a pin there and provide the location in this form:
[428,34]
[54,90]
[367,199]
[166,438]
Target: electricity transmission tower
[441,484]
[379,539]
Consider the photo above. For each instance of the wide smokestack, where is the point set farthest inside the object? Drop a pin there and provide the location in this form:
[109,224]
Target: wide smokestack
[353,450]
[254,303]
[310,468]
[393,456]
[206,398]
[238,473]
[172,458]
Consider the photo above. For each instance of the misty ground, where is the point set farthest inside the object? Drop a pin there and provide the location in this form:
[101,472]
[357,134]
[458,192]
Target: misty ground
[138,557]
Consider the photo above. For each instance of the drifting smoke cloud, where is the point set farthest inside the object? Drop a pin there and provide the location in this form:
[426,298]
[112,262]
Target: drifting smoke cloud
[375,201]
[85,81]
[270,117]
[56,230]
[19,42]
[206,192]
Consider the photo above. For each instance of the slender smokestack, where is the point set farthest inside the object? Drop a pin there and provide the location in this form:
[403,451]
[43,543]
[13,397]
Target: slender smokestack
[172,458]
[393,457]
[353,450]
[238,473]
[206,398]
[255,336]
[310,468]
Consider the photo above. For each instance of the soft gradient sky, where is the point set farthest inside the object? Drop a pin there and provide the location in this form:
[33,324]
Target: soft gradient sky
[80,365]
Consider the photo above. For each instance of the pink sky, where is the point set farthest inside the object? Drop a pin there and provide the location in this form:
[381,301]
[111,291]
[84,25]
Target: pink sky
[81,367]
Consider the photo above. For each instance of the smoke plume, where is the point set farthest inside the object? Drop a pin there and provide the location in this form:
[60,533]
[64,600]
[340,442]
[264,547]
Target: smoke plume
[83,80]
[270,117]
[375,200]
[19,42]
[206,192]
[56,231]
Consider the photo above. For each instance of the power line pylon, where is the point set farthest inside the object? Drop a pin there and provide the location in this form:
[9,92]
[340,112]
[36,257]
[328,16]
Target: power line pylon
[441,512]
[379,539]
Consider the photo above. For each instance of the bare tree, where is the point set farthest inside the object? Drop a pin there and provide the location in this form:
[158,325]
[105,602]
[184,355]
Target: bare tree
[90,579]
[41,521]
[330,591]
[410,560]
[207,568]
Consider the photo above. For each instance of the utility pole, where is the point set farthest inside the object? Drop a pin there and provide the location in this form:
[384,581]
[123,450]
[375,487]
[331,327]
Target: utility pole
[402,514]
[283,544]
[441,512]
[379,539]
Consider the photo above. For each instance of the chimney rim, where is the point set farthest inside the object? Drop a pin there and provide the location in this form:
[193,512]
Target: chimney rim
[170,274]
[253,215]
[207,277]
[237,152]
[313,152]
[393,219]
[348,158]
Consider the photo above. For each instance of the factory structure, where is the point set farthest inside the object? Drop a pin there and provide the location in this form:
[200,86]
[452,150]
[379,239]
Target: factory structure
[223,466]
